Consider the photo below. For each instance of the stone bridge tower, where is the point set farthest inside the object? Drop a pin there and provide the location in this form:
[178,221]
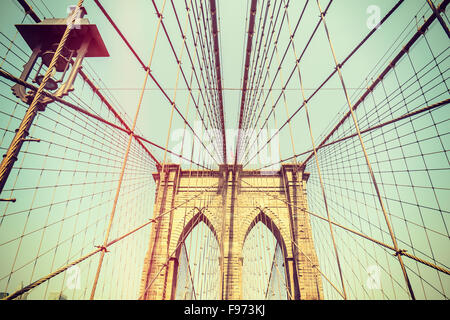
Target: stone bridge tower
[232,202]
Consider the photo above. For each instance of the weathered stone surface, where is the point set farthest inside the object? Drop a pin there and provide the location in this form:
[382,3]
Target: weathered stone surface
[231,201]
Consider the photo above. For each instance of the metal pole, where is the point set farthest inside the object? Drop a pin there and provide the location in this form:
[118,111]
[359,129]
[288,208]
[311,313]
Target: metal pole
[10,157]
[22,132]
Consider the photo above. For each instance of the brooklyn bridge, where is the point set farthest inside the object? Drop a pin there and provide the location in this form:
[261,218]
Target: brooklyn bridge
[224,150]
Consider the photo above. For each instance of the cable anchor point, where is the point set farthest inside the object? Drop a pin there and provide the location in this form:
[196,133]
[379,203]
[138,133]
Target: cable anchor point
[399,252]
[102,248]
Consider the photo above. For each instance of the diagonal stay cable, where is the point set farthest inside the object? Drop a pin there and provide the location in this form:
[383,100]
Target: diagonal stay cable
[360,44]
[319,171]
[99,249]
[402,117]
[278,69]
[179,63]
[360,234]
[196,40]
[9,76]
[215,33]
[414,38]
[29,11]
[172,103]
[369,166]
[250,33]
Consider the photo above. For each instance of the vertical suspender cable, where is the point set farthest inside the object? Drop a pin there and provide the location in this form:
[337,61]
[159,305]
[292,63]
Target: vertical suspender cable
[372,176]
[125,159]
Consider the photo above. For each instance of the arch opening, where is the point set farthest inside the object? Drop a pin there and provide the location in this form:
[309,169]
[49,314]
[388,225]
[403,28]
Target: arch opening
[263,266]
[198,274]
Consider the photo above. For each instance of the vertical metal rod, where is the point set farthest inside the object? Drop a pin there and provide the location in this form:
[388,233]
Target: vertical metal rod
[344,294]
[165,154]
[297,60]
[125,159]
[251,25]
[215,32]
[22,132]
[372,176]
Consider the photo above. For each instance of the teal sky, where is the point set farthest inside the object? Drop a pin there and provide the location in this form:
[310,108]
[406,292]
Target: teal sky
[120,78]
[123,76]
